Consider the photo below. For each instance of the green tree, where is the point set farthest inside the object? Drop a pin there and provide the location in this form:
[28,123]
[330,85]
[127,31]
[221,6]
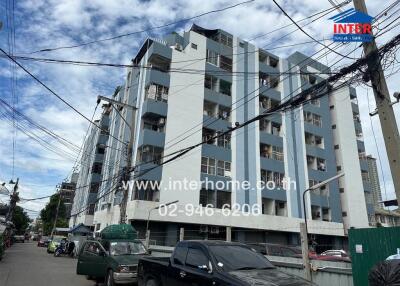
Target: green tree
[48,214]
[21,220]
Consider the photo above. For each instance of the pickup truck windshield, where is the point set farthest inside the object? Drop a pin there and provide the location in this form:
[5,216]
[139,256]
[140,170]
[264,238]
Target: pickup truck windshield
[236,257]
[126,248]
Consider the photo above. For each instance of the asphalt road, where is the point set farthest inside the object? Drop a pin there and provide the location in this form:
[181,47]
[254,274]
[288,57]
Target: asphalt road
[27,264]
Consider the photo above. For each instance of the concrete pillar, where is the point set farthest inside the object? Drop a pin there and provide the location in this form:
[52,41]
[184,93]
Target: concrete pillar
[228,234]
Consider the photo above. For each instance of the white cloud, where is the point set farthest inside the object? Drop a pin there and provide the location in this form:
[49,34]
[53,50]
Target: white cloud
[55,23]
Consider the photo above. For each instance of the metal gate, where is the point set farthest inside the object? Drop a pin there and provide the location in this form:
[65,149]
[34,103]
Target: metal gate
[369,246]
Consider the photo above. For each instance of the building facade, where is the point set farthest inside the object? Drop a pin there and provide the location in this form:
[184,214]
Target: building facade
[90,173]
[199,84]
[374,182]
[67,192]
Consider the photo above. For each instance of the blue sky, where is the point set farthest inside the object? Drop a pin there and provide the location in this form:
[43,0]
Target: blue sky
[42,24]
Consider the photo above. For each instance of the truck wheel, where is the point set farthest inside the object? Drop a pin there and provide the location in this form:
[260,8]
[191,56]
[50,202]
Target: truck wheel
[151,282]
[110,278]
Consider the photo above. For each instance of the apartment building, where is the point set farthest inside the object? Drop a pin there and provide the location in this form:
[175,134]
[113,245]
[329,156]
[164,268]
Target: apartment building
[201,83]
[91,169]
[374,182]
[67,192]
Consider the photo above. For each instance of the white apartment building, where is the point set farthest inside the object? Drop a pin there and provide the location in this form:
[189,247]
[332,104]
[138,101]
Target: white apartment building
[204,82]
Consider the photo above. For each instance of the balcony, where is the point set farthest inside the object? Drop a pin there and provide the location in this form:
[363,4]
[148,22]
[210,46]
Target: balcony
[154,107]
[314,140]
[151,137]
[216,117]
[156,92]
[271,152]
[217,98]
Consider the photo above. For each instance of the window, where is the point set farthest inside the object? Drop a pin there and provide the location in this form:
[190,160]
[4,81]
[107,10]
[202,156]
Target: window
[312,79]
[321,164]
[93,248]
[213,167]
[211,82]
[225,63]
[223,198]
[94,188]
[148,191]
[194,46]
[154,123]
[278,179]
[209,109]
[90,210]
[196,258]
[207,197]
[96,169]
[212,57]
[265,125]
[365,176]
[224,141]
[223,168]
[332,107]
[104,131]
[224,113]
[273,62]
[277,153]
[269,176]
[208,165]
[224,39]
[336,147]
[338,168]
[101,150]
[275,129]
[315,102]
[149,154]
[157,92]
[341,190]
[180,255]
[225,87]
[312,118]
[334,126]
[344,214]
[208,136]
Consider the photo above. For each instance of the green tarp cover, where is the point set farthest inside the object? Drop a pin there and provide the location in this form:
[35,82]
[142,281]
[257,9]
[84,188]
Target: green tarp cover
[119,231]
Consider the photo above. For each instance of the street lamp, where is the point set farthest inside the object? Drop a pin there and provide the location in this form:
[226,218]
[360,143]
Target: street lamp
[313,188]
[156,208]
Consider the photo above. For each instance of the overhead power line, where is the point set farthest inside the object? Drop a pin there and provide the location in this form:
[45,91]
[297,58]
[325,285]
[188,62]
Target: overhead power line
[307,34]
[145,30]
[55,94]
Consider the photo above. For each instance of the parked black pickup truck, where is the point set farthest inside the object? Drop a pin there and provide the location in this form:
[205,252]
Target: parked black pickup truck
[213,263]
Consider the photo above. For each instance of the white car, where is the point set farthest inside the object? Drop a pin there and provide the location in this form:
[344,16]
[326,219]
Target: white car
[338,253]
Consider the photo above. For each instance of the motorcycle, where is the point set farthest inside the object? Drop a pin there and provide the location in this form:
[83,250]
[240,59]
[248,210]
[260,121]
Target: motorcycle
[66,248]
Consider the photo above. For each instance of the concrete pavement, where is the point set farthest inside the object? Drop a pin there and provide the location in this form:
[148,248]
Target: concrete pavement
[27,264]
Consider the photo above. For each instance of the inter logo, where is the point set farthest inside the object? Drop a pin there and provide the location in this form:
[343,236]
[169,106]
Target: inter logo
[352,26]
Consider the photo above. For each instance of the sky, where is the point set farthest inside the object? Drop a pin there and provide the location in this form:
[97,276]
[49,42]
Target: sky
[41,24]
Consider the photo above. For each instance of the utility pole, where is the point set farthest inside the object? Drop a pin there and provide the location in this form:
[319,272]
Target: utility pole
[127,171]
[14,198]
[304,251]
[56,218]
[384,107]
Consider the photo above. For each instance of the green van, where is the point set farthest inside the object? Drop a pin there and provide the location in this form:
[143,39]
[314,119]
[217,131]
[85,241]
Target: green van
[114,257]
